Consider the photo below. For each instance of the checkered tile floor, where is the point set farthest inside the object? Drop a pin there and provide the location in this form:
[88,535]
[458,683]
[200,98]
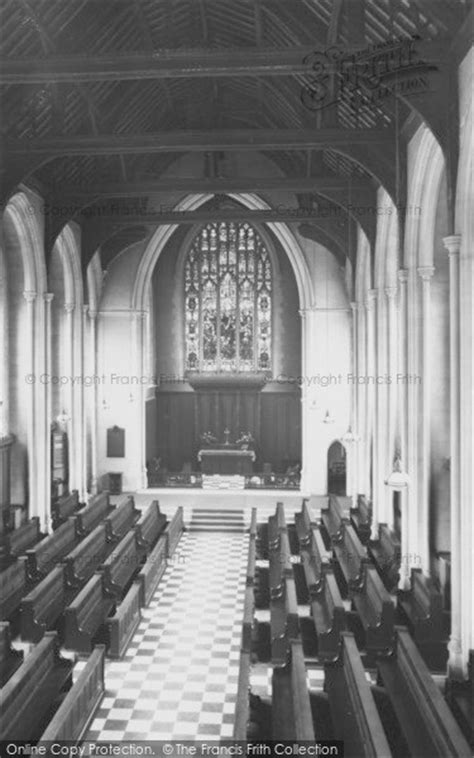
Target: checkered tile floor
[178,679]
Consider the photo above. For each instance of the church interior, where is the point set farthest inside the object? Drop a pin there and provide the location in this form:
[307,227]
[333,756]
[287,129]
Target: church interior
[236,374]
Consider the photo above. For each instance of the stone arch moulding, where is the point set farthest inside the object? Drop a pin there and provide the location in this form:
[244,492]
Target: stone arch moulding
[21,212]
[427,174]
[253,202]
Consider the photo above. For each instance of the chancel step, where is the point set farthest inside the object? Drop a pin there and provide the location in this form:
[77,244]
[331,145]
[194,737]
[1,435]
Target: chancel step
[205,520]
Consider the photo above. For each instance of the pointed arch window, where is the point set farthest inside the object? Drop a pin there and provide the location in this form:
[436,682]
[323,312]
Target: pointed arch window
[228,300]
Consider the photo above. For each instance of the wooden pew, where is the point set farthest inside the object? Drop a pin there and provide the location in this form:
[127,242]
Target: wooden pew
[10,659]
[93,513]
[316,560]
[49,551]
[280,565]
[376,611]
[428,725]
[123,624]
[253,524]
[80,704]
[275,524]
[423,607]
[335,516]
[351,556]
[361,518]
[64,507]
[152,571]
[29,694]
[174,531]
[84,617]
[120,565]
[19,540]
[304,525]
[13,585]
[251,562]
[86,557]
[284,621]
[248,622]
[291,708]
[41,608]
[329,616]
[242,710]
[122,518]
[386,554]
[149,527]
[354,713]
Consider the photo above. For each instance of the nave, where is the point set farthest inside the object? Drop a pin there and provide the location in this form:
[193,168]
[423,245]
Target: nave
[290,629]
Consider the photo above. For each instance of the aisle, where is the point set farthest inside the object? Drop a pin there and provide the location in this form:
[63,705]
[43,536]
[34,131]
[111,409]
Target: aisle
[179,677]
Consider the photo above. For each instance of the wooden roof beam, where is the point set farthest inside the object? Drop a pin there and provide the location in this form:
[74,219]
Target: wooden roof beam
[175,64]
[198,141]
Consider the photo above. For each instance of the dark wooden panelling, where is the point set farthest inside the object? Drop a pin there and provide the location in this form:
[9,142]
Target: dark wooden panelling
[274,419]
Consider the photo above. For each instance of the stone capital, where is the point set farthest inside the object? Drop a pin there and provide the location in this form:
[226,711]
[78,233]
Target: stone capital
[69,307]
[48,297]
[452,244]
[402,275]
[426,272]
[391,293]
[370,299]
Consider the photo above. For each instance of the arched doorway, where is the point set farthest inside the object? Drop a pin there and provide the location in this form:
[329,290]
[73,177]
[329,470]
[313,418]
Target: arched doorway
[336,464]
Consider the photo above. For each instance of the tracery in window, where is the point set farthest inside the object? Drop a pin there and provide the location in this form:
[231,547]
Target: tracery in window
[228,300]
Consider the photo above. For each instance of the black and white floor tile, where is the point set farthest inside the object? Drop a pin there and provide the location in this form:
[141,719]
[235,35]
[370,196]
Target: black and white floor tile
[178,679]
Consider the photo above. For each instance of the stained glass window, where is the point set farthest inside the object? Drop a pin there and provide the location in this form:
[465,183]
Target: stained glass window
[228,300]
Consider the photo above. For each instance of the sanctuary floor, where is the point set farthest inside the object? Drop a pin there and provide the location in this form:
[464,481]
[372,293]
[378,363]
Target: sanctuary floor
[178,678]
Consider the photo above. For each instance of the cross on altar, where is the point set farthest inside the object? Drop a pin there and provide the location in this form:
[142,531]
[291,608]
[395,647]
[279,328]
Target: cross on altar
[226,435]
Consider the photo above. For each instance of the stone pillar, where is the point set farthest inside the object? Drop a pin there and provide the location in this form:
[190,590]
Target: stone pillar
[455,663]
[381,495]
[30,393]
[362,447]
[391,389]
[48,299]
[314,474]
[74,480]
[425,272]
[352,448]
[93,397]
[466,451]
[370,405]
[402,385]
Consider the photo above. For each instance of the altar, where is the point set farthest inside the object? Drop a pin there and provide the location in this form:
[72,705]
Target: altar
[226,461]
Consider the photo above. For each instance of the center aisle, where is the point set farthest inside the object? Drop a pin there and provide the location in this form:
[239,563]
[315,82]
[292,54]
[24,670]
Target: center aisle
[178,679]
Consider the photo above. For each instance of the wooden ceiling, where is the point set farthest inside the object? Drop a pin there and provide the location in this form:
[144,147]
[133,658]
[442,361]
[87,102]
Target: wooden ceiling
[100,97]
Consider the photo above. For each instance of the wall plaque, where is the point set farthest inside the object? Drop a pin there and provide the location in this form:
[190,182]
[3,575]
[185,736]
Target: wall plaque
[115,442]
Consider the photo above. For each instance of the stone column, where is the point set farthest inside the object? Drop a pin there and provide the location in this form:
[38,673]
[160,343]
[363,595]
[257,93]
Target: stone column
[30,394]
[455,663]
[48,299]
[94,396]
[391,388]
[466,451]
[362,447]
[402,384]
[381,496]
[370,405]
[71,424]
[426,273]
[352,452]
[313,475]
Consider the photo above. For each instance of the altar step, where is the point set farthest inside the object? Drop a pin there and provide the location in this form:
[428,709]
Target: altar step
[207,520]
[223,482]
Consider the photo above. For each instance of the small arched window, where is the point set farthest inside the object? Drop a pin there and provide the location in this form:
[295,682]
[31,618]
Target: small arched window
[228,300]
